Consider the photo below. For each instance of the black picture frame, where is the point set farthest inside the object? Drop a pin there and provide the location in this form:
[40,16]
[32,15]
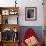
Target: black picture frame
[30,13]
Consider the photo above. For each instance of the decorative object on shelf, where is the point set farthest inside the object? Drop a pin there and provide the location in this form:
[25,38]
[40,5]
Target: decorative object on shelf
[15,30]
[5,12]
[6,21]
[15,3]
[7,34]
[15,37]
[30,13]
[15,34]
[13,12]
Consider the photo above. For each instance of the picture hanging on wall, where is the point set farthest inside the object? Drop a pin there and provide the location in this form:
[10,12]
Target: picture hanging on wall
[30,13]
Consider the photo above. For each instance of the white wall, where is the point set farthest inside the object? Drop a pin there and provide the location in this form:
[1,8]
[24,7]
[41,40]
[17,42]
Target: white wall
[26,3]
[31,3]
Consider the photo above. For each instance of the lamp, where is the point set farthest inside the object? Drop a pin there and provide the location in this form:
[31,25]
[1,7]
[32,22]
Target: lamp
[15,3]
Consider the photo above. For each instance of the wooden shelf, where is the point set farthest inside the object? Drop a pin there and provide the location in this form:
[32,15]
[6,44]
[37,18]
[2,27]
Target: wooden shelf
[11,26]
[10,43]
[4,13]
[9,9]
[3,8]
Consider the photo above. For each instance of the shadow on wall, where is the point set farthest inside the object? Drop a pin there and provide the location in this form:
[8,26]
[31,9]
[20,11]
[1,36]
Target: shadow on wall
[37,29]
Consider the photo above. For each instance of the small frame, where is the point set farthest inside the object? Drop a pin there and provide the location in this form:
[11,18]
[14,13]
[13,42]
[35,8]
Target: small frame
[5,12]
[30,13]
[13,12]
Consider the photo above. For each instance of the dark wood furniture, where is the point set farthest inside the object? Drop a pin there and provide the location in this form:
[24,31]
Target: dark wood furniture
[10,43]
[4,13]
[8,11]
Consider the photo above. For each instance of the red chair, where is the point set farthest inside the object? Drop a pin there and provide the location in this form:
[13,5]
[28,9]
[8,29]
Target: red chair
[29,33]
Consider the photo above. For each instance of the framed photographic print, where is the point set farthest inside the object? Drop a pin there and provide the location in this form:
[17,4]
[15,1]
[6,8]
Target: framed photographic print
[5,12]
[30,13]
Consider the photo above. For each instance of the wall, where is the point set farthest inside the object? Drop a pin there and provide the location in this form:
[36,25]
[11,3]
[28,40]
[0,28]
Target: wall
[31,3]
[26,3]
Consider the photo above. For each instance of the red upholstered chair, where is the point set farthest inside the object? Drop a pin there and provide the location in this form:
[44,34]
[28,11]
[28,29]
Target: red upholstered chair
[28,34]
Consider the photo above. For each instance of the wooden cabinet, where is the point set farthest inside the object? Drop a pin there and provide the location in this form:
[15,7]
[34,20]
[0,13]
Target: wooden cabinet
[10,43]
[6,27]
